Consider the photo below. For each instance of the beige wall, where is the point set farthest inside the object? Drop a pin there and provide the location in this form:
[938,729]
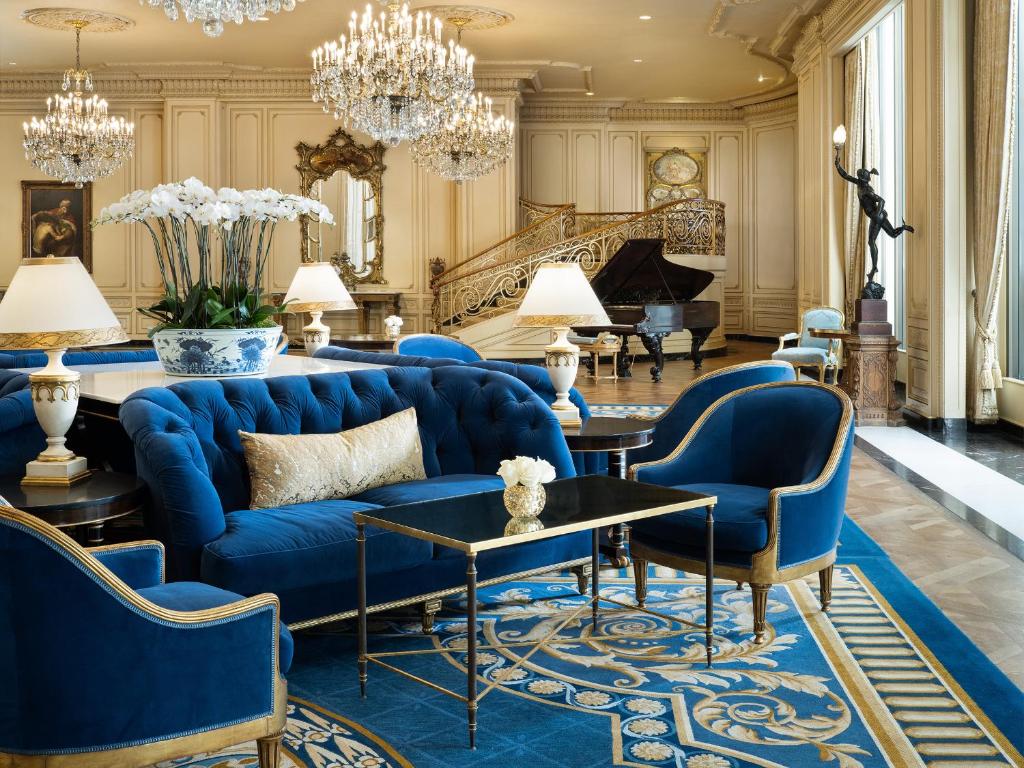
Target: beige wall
[593,154]
[248,140]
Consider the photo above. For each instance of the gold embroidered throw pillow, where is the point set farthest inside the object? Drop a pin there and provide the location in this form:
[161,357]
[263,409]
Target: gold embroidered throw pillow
[294,469]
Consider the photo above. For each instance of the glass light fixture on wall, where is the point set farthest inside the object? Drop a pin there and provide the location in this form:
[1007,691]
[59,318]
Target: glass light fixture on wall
[213,13]
[392,77]
[77,141]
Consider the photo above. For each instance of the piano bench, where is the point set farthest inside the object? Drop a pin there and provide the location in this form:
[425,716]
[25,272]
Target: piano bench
[597,347]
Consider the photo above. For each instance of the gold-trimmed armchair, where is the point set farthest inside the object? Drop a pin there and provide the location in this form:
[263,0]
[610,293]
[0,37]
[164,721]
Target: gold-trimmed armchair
[810,351]
[777,456]
[105,665]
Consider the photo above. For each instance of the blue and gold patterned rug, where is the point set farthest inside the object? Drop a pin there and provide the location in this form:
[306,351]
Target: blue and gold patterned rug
[883,680]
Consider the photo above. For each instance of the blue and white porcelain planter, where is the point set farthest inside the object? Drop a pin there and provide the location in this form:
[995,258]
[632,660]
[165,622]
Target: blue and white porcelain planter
[216,351]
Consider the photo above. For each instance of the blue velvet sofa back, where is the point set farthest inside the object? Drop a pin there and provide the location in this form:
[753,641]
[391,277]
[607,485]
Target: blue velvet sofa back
[188,450]
[29,359]
[433,345]
[21,437]
[699,395]
[534,376]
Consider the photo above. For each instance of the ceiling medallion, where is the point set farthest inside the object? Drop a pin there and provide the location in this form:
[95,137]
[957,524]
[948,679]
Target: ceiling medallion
[213,13]
[61,19]
[76,141]
[391,76]
[470,17]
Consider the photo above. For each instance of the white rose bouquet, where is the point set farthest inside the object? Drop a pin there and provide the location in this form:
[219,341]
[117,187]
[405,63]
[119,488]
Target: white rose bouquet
[522,470]
[189,214]
[393,324]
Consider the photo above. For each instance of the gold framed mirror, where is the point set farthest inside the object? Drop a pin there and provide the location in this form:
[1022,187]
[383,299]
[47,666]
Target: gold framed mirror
[348,178]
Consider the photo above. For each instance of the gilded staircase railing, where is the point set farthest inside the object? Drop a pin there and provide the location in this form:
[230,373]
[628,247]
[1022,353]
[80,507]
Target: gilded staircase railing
[496,280]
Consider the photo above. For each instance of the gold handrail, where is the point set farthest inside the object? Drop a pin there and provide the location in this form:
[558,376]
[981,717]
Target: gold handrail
[687,226]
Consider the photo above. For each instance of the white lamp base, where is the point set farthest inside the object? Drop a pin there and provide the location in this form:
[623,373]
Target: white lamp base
[316,335]
[562,359]
[55,401]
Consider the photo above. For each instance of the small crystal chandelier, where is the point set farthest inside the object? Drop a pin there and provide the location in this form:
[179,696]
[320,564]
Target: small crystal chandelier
[213,13]
[471,143]
[77,141]
[392,77]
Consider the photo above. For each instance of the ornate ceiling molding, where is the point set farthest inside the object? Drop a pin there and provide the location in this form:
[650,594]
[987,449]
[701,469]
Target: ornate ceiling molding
[540,110]
[146,81]
[62,19]
[820,28]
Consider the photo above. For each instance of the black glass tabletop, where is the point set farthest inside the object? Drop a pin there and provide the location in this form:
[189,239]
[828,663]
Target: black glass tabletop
[478,522]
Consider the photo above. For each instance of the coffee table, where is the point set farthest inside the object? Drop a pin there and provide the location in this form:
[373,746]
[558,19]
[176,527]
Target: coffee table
[477,522]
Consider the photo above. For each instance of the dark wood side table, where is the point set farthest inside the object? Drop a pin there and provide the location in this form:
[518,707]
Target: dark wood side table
[82,508]
[615,436]
[367,342]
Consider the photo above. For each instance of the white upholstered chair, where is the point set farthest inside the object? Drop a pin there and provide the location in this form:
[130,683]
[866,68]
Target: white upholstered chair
[812,352]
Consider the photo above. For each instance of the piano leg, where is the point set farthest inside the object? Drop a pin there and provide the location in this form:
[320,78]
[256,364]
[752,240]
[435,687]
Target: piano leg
[652,343]
[625,362]
[697,338]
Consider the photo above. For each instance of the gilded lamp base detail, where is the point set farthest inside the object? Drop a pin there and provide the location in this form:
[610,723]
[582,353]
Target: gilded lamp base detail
[59,473]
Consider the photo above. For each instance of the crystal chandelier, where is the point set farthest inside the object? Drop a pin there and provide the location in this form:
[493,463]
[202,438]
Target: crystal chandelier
[77,141]
[471,143]
[213,13]
[392,77]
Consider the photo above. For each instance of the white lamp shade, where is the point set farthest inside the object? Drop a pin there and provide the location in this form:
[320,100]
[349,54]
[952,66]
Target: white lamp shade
[560,296]
[53,303]
[316,287]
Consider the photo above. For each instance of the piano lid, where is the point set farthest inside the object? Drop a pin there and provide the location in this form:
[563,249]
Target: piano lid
[639,273]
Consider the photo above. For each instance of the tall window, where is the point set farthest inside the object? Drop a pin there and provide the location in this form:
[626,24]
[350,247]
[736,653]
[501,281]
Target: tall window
[889,119]
[1015,270]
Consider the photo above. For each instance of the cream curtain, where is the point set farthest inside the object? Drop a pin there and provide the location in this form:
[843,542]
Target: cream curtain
[995,88]
[861,117]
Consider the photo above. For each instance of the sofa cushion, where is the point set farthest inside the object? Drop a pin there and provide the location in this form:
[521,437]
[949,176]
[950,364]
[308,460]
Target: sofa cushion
[285,548]
[296,469]
[741,523]
[440,487]
[194,596]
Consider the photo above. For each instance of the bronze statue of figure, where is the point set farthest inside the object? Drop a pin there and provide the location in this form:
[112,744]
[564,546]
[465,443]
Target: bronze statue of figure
[873,205]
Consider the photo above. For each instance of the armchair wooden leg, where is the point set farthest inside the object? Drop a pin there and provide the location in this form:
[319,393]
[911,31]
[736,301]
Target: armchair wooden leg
[821,374]
[582,573]
[739,585]
[268,750]
[825,582]
[640,580]
[760,601]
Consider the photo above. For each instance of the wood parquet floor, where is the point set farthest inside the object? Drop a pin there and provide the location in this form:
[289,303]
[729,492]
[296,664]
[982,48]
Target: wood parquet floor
[974,581]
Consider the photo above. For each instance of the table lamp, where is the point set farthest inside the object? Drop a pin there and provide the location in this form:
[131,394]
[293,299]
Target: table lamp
[316,288]
[53,304]
[559,297]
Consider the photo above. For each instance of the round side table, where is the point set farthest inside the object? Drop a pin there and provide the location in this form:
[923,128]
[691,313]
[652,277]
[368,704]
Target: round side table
[615,436]
[82,508]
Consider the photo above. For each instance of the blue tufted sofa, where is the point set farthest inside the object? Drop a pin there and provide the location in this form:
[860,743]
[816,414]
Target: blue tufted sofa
[20,358]
[21,437]
[188,450]
[534,376]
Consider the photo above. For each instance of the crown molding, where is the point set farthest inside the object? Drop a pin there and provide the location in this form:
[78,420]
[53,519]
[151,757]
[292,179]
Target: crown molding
[144,81]
[540,110]
[820,28]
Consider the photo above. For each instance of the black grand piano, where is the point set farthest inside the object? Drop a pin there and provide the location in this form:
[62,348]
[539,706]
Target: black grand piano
[646,295]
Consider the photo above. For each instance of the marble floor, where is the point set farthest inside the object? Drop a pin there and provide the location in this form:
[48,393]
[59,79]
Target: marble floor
[975,581]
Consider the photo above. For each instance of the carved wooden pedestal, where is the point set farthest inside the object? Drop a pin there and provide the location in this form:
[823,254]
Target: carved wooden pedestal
[869,378]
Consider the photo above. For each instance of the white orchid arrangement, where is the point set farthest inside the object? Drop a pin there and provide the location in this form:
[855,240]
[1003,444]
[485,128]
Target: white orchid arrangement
[522,470]
[189,213]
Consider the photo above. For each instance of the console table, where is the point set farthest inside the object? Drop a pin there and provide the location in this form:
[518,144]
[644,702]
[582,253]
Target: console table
[366,299]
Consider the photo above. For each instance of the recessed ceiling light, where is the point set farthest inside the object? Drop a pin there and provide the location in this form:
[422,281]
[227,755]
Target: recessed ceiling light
[590,93]
[638,61]
[12,63]
[645,18]
[761,78]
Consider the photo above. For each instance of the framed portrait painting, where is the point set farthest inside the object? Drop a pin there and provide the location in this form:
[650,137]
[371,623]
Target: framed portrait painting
[55,220]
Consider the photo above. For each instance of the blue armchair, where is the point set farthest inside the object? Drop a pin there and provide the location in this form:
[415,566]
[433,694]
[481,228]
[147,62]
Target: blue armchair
[811,351]
[21,437]
[777,456]
[697,397]
[433,345]
[105,665]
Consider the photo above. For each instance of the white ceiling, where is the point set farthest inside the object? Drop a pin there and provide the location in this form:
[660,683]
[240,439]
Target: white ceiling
[692,50]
